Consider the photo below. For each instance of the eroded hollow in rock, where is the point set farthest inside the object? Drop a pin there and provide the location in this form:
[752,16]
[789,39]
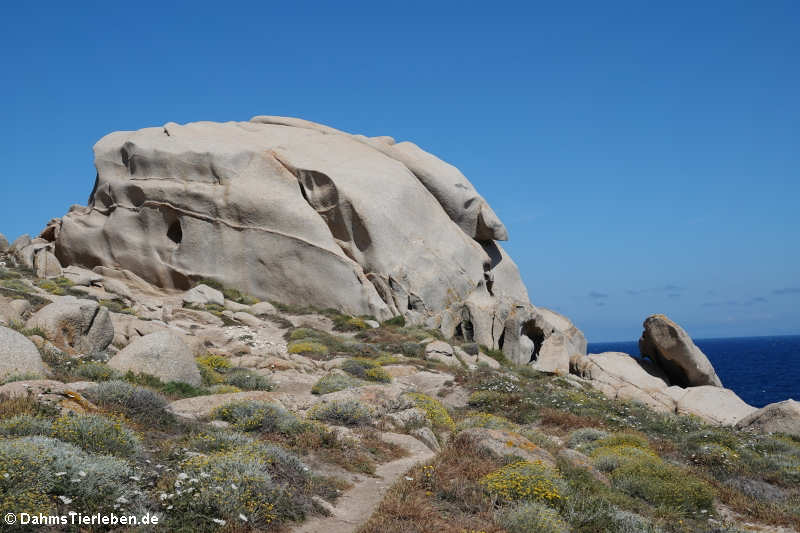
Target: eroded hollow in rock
[536,335]
[465,330]
[174,232]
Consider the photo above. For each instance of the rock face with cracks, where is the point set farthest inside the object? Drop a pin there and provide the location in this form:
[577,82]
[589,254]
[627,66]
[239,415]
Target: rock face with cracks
[293,211]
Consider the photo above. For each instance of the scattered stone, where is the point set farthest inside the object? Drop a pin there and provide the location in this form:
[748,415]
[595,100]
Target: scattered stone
[442,352]
[488,361]
[780,417]
[262,308]
[18,355]
[230,305]
[428,438]
[407,418]
[671,348]
[248,320]
[203,295]
[81,276]
[115,286]
[162,354]
[77,326]
[374,324]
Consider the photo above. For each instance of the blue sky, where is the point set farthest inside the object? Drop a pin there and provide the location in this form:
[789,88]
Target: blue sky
[644,157]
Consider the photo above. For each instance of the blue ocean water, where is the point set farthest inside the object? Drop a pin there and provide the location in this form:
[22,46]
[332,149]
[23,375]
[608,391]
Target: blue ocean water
[760,370]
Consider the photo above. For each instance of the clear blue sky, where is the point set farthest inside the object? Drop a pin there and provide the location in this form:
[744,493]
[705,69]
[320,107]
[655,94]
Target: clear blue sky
[645,158]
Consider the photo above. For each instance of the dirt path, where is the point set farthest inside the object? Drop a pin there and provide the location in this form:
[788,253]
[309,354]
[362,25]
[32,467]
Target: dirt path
[357,504]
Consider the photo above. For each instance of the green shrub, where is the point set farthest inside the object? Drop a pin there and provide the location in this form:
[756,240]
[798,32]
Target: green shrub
[28,376]
[16,285]
[609,458]
[308,347]
[531,517]
[398,321]
[33,470]
[664,485]
[97,434]
[366,369]
[488,421]
[95,371]
[217,441]
[211,367]
[244,482]
[246,379]
[435,412]
[526,480]
[579,438]
[258,416]
[342,413]
[136,402]
[115,306]
[223,388]
[25,425]
[57,286]
[335,382]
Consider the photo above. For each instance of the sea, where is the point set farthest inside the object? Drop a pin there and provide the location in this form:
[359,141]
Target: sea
[761,370]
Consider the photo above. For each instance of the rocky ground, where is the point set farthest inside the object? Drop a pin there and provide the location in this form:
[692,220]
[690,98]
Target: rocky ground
[222,413]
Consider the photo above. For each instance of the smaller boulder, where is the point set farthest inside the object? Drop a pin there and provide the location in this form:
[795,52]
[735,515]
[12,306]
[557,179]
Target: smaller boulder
[442,352]
[77,326]
[46,265]
[18,355]
[715,405]
[671,348]
[162,354]
[262,308]
[428,438]
[780,417]
[81,277]
[203,295]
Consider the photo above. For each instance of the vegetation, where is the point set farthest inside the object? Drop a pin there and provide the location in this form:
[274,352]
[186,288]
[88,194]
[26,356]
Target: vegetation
[343,413]
[335,382]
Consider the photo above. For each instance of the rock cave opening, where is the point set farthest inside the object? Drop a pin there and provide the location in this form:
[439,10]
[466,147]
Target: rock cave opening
[175,232]
[536,335]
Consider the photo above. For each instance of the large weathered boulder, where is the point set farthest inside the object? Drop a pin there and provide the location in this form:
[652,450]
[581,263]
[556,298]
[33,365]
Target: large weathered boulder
[162,354]
[780,417]
[302,213]
[671,348]
[18,355]
[715,405]
[78,326]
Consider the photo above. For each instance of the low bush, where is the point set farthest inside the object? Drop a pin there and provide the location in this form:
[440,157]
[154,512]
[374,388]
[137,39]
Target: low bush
[258,416]
[246,379]
[531,517]
[34,470]
[243,486]
[664,485]
[121,397]
[21,377]
[342,413]
[488,421]
[57,286]
[366,369]
[211,367]
[397,321]
[25,425]
[335,382]
[97,434]
[581,438]
[435,412]
[217,441]
[526,480]
[307,347]
[95,371]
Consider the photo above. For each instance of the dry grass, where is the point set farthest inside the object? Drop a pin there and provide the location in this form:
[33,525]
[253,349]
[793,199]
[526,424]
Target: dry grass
[445,495]
[564,422]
